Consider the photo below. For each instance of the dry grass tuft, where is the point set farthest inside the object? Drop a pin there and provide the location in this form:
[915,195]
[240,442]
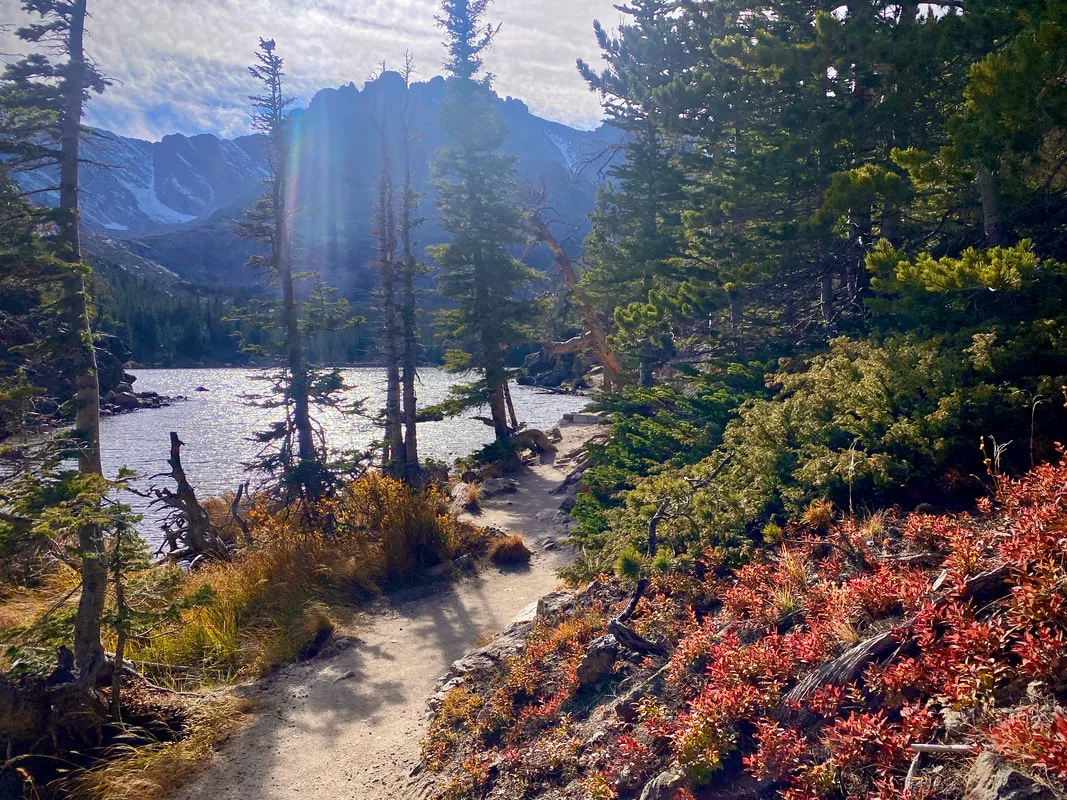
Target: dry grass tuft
[509,550]
[473,496]
[157,770]
[819,514]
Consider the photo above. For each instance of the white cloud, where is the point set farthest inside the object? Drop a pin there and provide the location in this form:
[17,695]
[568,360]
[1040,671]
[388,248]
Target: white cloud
[180,65]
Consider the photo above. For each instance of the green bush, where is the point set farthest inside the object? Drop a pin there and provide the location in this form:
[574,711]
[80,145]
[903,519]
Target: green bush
[861,424]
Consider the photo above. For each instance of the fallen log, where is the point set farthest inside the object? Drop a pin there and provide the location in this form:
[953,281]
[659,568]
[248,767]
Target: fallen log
[630,639]
[847,666]
[943,749]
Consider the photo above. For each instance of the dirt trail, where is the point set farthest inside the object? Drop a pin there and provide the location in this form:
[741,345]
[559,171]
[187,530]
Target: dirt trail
[349,724]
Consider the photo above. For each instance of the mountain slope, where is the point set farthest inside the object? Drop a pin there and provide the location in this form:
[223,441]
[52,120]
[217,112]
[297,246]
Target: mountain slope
[174,201]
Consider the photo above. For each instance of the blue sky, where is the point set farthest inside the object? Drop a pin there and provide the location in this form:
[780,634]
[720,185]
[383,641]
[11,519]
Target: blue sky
[179,65]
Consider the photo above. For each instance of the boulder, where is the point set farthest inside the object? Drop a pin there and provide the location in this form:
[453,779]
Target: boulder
[552,605]
[598,661]
[125,400]
[493,487]
[664,786]
[993,778]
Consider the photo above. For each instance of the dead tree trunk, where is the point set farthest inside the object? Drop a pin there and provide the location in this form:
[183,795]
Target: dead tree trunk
[595,337]
[195,531]
[989,188]
[511,407]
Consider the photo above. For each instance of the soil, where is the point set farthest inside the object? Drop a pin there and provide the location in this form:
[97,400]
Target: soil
[349,722]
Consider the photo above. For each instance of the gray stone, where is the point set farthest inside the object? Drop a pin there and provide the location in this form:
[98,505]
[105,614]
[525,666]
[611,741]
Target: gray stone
[465,562]
[444,568]
[552,605]
[555,435]
[598,661]
[493,487]
[664,786]
[993,778]
[125,400]
[626,707]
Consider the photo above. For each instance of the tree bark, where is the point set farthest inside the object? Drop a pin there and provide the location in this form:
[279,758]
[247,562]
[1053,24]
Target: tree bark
[989,188]
[120,644]
[511,406]
[88,650]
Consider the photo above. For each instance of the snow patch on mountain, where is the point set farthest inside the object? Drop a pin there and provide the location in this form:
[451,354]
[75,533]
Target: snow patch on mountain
[570,156]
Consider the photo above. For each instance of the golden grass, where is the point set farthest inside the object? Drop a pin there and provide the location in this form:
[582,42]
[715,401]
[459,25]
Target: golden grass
[509,550]
[271,604]
[157,770]
[472,498]
[819,514]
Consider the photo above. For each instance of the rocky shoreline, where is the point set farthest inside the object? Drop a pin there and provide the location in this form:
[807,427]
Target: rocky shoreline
[124,400]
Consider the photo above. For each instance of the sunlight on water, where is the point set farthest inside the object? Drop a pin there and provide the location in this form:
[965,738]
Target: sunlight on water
[216,425]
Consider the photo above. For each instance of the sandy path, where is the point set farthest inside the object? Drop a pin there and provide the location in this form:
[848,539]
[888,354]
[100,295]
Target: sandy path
[349,725]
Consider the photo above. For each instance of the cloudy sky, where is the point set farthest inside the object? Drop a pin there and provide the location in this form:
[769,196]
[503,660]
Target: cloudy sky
[179,65]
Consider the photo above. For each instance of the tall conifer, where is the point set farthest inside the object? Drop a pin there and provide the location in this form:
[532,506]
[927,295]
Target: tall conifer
[475,186]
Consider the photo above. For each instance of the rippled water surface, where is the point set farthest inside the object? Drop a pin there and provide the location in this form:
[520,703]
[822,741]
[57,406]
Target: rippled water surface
[216,425]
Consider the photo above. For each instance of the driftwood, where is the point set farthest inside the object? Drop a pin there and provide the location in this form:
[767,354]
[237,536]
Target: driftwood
[629,638]
[595,337]
[845,667]
[942,749]
[190,531]
[235,512]
[535,440]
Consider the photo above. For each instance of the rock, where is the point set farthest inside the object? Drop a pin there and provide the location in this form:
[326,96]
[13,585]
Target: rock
[470,476]
[528,614]
[993,778]
[125,400]
[599,660]
[492,487]
[558,519]
[465,562]
[552,605]
[555,435]
[345,676]
[664,786]
[587,419]
[202,389]
[443,568]
[626,707]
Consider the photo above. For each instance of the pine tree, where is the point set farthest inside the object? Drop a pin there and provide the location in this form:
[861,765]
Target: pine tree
[297,455]
[410,270]
[475,183]
[394,453]
[47,100]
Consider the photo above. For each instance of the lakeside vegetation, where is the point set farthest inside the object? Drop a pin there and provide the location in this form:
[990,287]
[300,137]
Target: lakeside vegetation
[826,288]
